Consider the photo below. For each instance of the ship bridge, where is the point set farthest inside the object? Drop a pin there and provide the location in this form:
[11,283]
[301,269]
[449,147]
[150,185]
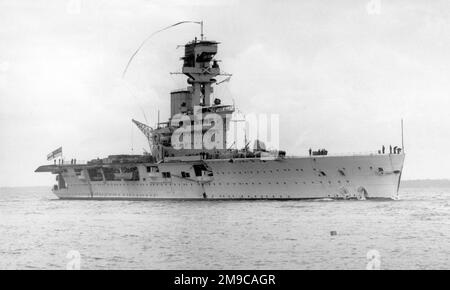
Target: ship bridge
[201,69]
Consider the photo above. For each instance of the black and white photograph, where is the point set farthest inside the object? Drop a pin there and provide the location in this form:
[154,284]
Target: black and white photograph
[227,135]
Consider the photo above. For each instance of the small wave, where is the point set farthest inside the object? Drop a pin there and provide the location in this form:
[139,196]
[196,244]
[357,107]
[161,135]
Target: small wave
[324,199]
[33,213]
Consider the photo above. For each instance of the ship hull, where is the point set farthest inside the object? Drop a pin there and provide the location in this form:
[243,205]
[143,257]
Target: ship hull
[338,177]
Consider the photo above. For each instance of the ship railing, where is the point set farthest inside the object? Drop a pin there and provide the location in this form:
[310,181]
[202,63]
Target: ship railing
[366,153]
[69,162]
[363,153]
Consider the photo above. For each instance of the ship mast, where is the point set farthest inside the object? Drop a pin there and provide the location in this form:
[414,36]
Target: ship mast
[201,69]
[201,30]
[403,146]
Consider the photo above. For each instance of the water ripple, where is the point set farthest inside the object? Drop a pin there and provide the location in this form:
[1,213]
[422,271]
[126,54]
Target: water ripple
[37,231]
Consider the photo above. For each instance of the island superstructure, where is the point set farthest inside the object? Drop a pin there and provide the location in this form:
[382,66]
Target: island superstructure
[190,157]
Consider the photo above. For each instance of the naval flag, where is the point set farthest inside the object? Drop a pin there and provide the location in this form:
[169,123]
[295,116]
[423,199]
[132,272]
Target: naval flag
[54,154]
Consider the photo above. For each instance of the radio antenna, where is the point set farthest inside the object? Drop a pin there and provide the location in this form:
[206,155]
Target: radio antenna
[403,145]
[156,32]
[201,30]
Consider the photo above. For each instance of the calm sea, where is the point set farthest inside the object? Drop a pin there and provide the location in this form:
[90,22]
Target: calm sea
[37,231]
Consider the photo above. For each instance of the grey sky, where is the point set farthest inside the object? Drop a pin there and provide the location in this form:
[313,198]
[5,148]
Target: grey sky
[340,75]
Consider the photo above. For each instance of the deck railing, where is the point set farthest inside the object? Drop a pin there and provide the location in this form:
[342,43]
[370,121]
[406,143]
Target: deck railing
[366,153]
[69,162]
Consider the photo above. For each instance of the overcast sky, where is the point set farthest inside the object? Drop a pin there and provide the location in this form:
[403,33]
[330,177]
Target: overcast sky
[341,74]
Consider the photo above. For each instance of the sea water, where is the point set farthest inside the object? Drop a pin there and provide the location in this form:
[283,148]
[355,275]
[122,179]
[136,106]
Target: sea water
[38,231]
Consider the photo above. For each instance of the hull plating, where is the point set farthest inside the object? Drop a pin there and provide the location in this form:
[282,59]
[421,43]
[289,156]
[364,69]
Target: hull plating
[341,177]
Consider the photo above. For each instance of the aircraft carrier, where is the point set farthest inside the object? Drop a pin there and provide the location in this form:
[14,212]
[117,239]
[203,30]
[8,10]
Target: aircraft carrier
[190,157]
